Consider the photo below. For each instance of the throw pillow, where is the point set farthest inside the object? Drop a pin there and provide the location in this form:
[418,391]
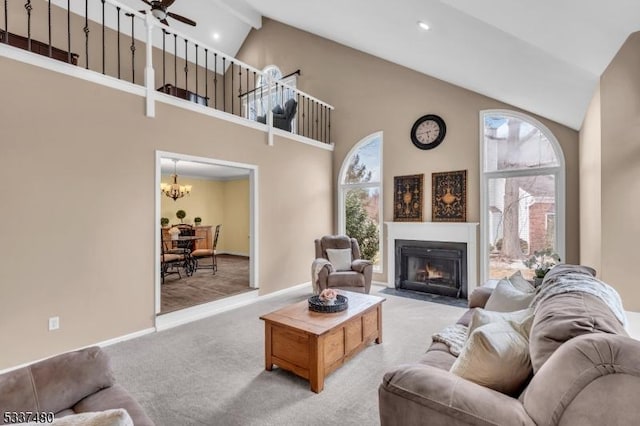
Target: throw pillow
[507,298]
[482,317]
[520,283]
[277,109]
[340,259]
[496,356]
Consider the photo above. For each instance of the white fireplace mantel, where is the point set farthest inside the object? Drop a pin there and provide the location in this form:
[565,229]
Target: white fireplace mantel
[455,232]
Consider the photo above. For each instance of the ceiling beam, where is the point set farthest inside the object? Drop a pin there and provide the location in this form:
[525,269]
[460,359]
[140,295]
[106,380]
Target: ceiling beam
[243,11]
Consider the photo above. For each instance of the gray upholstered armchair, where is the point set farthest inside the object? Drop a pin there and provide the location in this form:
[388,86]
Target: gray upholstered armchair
[338,265]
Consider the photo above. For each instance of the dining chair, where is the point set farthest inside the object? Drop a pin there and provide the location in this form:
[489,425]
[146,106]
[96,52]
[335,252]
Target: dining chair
[204,253]
[170,263]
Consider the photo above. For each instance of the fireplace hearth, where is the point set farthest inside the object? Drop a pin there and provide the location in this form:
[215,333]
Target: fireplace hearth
[435,267]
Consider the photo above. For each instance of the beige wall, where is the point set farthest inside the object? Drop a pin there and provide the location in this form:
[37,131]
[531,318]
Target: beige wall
[205,201]
[620,171]
[234,234]
[70,250]
[590,187]
[216,202]
[371,94]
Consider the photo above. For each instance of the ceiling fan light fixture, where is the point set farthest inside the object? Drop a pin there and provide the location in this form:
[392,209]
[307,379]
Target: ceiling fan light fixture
[159,13]
[423,25]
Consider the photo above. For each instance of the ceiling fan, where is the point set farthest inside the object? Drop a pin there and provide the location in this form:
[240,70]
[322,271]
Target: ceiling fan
[159,10]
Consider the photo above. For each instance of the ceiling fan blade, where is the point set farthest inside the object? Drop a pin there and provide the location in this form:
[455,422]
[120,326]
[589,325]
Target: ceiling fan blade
[145,1]
[167,3]
[164,21]
[182,19]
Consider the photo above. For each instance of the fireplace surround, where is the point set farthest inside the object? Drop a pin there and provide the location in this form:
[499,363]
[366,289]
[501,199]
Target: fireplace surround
[443,232]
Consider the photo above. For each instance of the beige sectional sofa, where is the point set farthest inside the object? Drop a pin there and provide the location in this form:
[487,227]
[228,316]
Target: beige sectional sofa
[585,371]
[75,382]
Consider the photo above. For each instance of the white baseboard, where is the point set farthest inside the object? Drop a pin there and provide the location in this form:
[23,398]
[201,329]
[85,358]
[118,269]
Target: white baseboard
[102,344]
[174,319]
[124,338]
[287,290]
[183,316]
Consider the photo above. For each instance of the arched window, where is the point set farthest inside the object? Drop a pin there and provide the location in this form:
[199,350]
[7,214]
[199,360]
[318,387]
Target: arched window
[360,197]
[272,71]
[255,101]
[522,195]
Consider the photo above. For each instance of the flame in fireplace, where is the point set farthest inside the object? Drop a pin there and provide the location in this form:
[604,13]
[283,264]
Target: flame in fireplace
[433,272]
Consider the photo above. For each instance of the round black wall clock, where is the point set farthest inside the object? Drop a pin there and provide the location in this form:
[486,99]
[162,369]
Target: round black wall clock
[428,131]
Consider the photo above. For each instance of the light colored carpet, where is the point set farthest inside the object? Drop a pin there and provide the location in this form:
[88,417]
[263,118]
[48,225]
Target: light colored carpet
[211,372]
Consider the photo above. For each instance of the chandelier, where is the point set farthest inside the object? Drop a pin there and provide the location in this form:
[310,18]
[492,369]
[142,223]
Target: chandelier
[174,190]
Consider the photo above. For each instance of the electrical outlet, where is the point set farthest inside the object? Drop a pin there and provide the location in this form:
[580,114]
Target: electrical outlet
[54,323]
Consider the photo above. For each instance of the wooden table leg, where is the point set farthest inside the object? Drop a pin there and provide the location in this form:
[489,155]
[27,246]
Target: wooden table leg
[316,363]
[379,338]
[268,363]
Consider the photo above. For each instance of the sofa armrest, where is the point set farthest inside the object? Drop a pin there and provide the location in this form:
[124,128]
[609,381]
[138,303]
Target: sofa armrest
[591,379]
[56,383]
[479,296]
[359,265]
[412,393]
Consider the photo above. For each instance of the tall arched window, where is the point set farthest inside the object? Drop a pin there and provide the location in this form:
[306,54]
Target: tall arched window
[256,100]
[360,197]
[522,196]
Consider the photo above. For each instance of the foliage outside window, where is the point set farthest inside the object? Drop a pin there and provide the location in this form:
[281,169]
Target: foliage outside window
[523,179]
[360,201]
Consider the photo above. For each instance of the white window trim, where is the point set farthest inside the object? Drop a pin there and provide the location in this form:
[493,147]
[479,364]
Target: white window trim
[342,221]
[291,81]
[560,186]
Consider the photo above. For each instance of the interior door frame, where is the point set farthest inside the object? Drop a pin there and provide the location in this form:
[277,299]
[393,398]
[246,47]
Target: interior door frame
[253,215]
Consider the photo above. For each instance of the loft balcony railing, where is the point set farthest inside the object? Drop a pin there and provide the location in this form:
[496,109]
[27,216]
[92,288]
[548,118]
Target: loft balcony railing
[115,40]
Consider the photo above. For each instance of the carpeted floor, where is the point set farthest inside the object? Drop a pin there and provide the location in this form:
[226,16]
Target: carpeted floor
[231,278]
[211,372]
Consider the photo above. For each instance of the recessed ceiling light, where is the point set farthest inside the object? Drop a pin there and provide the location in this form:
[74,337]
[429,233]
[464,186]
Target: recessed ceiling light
[216,36]
[423,25]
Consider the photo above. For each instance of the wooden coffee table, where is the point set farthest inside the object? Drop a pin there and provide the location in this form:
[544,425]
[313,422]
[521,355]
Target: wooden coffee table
[313,344]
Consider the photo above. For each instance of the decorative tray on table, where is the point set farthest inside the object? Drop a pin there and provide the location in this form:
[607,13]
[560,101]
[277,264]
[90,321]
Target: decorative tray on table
[340,304]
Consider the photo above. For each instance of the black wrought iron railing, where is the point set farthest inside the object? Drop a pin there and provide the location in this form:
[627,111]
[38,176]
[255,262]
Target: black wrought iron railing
[115,40]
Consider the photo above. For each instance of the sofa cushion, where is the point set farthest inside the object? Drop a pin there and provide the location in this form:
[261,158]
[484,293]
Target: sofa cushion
[482,317]
[16,391]
[565,316]
[114,396]
[340,258]
[345,279]
[507,298]
[496,355]
[519,282]
[65,379]
[479,296]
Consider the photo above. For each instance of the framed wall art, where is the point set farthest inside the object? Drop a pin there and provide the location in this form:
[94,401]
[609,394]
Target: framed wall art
[449,196]
[408,198]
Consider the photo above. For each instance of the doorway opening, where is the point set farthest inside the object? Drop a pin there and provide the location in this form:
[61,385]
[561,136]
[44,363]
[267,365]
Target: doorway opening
[206,229]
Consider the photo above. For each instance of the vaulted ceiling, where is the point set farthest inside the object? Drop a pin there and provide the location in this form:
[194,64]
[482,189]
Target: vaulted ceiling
[543,56]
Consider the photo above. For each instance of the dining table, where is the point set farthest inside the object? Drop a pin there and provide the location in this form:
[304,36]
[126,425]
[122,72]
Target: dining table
[190,263]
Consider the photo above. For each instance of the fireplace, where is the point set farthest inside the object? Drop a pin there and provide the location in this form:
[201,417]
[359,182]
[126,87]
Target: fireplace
[436,267]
